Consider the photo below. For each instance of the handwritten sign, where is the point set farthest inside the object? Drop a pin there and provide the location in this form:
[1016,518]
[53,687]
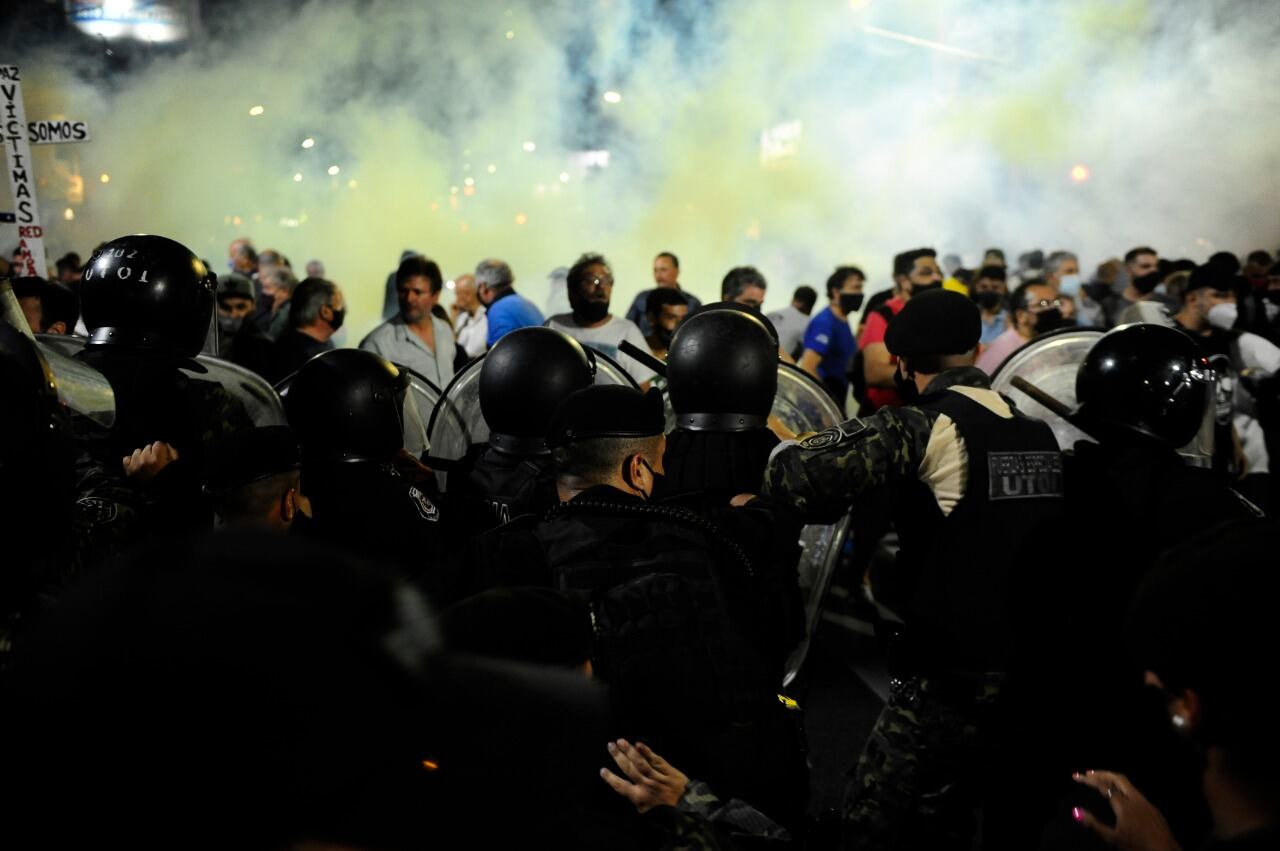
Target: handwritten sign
[13,124]
[56,132]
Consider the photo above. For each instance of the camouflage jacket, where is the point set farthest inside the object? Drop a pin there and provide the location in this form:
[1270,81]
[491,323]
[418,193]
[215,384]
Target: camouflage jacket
[820,476]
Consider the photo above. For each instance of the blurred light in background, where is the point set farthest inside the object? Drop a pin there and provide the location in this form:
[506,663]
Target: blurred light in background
[1079,173]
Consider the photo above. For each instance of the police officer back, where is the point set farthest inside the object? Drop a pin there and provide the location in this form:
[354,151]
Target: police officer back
[958,465]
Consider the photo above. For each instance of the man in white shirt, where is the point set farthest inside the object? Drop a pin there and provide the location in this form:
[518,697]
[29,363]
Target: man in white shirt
[415,337]
[470,324]
[590,288]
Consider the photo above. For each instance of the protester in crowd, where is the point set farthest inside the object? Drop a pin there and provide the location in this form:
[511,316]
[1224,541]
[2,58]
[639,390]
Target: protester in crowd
[665,309]
[242,258]
[590,284]
[993,257]
[69,268]
[316,316]
[914,272]
[505,309]
[793,319]
[1033,309]
[829,346]
[391,298]
[276,284]
[314,269]
[239,339]
[1142,271]
[744,285]
[470,325]
[989,293]
[50,308]
[666,275]
[415,337]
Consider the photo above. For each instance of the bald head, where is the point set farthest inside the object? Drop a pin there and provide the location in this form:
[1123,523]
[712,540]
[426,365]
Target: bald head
[464,293]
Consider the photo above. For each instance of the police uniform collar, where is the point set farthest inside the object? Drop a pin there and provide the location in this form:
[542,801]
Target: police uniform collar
[720,422]
[960,376]
[510,444]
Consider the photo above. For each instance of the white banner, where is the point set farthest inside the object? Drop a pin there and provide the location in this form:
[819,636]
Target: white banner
[13,127]
[57,132]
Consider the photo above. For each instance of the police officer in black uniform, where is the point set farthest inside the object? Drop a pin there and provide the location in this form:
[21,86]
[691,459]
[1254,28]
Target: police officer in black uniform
[366,494]
[523,378]
[972,486]
[148,304]
[665,586]
[1144,391]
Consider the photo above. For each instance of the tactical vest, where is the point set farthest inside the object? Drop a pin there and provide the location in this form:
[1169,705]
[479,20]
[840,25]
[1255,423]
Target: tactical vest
[963,575]
[512,485]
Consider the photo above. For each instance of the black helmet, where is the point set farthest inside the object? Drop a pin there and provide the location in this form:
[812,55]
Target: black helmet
[722,372]
[523,379]
[346,406]
[1148,379]
[147,292]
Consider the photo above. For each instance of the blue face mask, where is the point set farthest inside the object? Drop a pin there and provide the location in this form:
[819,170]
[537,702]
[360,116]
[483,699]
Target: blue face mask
[1069,285]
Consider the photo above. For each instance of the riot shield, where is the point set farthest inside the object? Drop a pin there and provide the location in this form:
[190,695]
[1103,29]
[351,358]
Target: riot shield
[419,399]
[803,405]
[1051,363]
[456,422]
[253,391]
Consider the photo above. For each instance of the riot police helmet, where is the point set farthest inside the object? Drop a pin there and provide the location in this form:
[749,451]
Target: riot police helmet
[1146,379]
[148,293]
[347,406]
[722,372]
[523,379]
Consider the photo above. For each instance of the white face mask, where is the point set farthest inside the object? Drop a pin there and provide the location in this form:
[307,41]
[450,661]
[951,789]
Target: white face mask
[1223,315]
[1069,285]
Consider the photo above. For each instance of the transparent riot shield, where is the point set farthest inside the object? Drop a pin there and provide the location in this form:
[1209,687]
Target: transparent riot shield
[1051,363]
[803,405]
[84,391]
[253,391]
[456,422]
[419,399]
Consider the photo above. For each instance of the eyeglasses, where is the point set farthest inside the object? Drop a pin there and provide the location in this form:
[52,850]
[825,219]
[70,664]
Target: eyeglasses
[1044,304]
[606,281]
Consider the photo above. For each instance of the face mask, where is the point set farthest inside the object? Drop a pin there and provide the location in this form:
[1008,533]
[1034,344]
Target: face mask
[1147,283]
[1223,315]
[656,478]
[230,324]
[1050,320]
[1069,285]
[663,336]
[907,390]
[988,300]
[338,316]
[916,289]
[850,302]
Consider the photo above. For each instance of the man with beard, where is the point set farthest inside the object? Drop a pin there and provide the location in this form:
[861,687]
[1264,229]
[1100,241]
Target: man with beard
[415,338]
[1142,265]
[828,342]
[1034,309]
[590,286]
[666,309]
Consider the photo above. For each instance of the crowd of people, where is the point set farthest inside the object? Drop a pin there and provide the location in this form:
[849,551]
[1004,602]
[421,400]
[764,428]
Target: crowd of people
[218,631]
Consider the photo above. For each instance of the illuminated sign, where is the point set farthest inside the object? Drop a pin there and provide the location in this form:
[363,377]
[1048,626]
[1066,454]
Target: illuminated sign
[145,20]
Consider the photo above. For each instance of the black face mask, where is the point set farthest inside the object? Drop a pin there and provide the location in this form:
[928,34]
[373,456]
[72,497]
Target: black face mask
[907,390]
[663,336]
[1051,320]
[1147,283]
[1097,291]
[988,300]
[850,302]
[657,481]
[338,316]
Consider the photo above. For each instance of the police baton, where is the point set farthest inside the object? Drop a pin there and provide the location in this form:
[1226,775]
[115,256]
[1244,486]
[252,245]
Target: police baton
[1051,403]
[636,353]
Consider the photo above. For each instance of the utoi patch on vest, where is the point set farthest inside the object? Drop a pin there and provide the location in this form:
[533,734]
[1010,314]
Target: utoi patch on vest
[425,507]
[1024,475]
[850,430]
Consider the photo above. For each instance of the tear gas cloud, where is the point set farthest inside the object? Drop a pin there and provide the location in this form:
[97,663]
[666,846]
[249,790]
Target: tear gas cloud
[792,136]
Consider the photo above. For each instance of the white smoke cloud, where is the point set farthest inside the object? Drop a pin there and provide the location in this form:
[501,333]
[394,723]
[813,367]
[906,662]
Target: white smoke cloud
[951,123]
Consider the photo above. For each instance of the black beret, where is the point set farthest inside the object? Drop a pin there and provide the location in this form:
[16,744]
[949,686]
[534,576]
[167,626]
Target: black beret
[243,457]
[935,322]
[607,410]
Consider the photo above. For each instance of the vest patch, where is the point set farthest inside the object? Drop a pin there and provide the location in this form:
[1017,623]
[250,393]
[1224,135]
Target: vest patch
[425,506]
[836,434]
[1024,475]
[95,511]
